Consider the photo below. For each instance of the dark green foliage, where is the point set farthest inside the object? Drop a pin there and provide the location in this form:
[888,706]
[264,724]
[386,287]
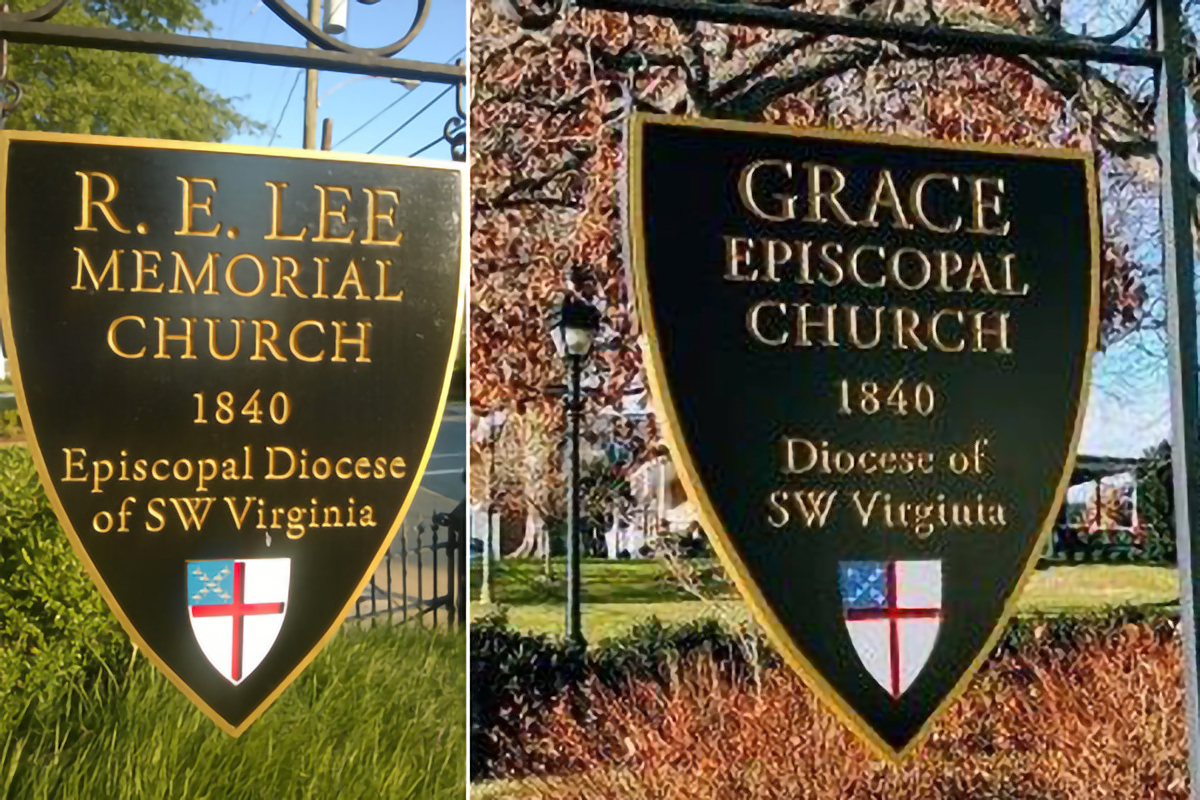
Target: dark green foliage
[72,90]
[10,423]
[1153,543]
[1068,632]
[651,650]
[1155,502]
[514,677]
[59,644]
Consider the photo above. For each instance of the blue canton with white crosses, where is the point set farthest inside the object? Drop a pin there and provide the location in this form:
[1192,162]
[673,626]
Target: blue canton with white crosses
[863,584]
[210,583]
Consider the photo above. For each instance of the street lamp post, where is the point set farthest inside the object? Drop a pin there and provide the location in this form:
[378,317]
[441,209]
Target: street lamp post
[496,420]
[573,325]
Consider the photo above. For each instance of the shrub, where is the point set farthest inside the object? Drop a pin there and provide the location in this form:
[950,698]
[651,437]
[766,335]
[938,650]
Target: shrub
[59,644]
[1156,504]
[517,677]
[514,678]
[1098,722]
[10,423]
[653,651]
[541,708]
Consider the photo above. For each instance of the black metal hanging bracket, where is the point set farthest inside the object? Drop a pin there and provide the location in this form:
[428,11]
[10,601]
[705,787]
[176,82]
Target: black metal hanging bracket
[1103,49]
[329,54]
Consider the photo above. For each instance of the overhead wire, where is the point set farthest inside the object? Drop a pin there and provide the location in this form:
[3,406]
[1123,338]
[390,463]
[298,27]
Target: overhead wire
[286,103]
[406,122]
[391,105]
[426,147]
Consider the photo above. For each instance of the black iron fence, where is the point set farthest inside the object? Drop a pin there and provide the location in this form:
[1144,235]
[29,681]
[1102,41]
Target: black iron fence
[1073,544]
[422,576]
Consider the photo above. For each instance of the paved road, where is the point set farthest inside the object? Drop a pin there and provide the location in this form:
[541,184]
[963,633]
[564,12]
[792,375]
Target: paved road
[444,473]
[442,488]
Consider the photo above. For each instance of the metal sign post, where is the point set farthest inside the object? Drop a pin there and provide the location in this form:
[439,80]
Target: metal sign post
[1180,281]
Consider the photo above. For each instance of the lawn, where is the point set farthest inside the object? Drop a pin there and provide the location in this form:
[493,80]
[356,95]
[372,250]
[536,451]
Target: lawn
[616,594]
[519,582]
[379,713]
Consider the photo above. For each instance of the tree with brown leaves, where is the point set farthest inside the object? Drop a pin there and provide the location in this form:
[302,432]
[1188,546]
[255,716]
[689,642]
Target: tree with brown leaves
[553,87]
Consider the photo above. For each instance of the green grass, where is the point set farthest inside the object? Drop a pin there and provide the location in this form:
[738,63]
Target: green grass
[379,713]
[1085,587]
[608,620]
[617,594]
[522,582]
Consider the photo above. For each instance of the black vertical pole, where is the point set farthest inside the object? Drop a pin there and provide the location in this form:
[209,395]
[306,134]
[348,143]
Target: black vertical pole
[574,627]
[1179,273]
[458,530]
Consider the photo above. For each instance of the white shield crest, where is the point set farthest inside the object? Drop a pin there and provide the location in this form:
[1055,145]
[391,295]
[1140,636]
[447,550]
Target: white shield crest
[893,610]
[237,607]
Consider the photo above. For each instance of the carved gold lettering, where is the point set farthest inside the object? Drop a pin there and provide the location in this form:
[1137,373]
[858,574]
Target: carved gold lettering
[144,268]
[374,217]
[112,336]
[986,196]
[329,212]
[819,196]
[88,202]
[340,340]
[85,265]
[277,233]
[191,206]
[746,191]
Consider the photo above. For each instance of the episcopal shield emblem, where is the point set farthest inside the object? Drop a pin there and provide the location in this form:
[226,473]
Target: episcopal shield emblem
[231,364]
[870,357]
[236,609]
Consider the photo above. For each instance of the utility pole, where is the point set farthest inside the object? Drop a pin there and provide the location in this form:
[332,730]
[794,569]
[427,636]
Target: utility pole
[310,85]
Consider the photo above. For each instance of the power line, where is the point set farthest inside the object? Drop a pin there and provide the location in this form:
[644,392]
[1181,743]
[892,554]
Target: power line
[391,105]
[404,124]
[286,103]
[426,147]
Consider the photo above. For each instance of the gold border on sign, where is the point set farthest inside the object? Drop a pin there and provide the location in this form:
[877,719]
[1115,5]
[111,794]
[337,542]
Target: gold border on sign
[6,137]
[667,410]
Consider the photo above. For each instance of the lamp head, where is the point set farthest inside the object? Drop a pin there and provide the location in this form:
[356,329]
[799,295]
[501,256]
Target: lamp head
[573,325]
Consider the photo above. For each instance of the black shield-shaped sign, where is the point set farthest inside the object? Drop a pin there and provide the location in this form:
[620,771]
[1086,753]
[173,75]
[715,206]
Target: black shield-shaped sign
[231,364]
[870,356]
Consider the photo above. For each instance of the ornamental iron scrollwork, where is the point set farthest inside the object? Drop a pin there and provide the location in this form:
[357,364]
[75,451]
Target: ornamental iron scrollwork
[11,92]
[541,14]
[324,53]
[294,20]
[312,33]
[455,129]
[40,14]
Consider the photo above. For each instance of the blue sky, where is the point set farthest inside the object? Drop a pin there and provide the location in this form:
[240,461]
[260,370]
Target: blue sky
[262,93]
[1129,407]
